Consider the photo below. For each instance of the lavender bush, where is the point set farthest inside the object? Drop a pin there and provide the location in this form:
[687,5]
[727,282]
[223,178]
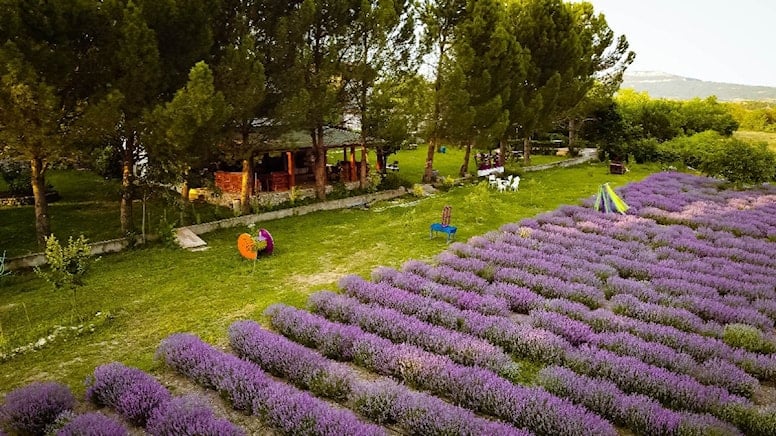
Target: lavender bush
[31,408]
[639,413]
[132,393]
[250,389]
[400,328]
[382,401]
[189,416]
[471,387]
[92,424]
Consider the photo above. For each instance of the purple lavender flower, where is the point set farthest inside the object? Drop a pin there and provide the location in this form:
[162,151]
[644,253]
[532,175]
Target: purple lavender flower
[92,424]
[31,408]
[250,389]
[189,416]
[471,387]
[639,413]
[132,393]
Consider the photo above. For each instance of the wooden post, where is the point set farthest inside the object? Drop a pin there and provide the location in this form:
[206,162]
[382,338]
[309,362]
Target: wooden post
[353,175]
[291,177]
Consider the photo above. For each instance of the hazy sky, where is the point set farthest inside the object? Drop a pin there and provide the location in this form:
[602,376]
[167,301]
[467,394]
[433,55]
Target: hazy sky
[730,41]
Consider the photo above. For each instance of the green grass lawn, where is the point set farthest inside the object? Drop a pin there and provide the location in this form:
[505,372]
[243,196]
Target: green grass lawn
[89,205]
[145,294]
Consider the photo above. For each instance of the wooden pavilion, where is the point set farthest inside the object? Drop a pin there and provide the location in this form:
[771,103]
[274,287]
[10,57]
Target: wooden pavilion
[289,160]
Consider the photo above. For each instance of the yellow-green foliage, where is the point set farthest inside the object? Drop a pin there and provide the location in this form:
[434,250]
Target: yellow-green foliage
[67,265]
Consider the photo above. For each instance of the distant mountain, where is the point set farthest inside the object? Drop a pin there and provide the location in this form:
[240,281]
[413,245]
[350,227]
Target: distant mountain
[663,85]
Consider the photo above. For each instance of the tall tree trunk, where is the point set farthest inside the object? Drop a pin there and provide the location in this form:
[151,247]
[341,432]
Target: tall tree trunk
[466,156]
[319,166]
[127,161]
[573,133]
[42,222]
[380,161]
[428,171]
[502,154]
[527,149]
[246,184]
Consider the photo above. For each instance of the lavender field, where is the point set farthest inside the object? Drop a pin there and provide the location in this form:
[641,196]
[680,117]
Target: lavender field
[658,322]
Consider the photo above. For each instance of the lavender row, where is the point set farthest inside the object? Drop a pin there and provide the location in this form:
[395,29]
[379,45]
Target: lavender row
[472,387]
[681,319]
[714,372]
[398,328]
[552,287]
[699,347]
[596,246]
[383,401]
[677,391]
[485,304]
[141,399]
[732,211]
[519,339]
[463,279]
[701,301]
[639,413]
[250,389]
[559,265]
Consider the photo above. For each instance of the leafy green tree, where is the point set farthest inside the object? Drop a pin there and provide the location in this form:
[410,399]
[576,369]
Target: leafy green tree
[184,130]
[397,108]
[46,66]
[439,19]
[483,70]
[707,114]
[383,35]
[316,40]
[545,29]
[146,52]
[741,163]
[598,72]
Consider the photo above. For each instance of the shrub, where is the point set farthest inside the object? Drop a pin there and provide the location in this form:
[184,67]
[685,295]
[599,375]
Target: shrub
[130,391]
[747,337]
[18,177]
[92,424]
[30,409]
[188,416]
[741,163]
[67,265]
[644,150]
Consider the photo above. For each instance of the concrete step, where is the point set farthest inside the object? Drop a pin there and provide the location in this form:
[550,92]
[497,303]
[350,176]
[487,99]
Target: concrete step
[189,240]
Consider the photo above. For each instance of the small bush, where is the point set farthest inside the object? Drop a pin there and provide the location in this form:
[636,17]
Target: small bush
[92,424]
[747,337]
[32,408]
[132,393]
[18,177]
[645,150]
[393,181]
[67,265]
[188,416]
[741,163]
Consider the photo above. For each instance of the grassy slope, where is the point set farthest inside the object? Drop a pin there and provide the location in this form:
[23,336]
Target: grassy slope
[152,292]
[766,137]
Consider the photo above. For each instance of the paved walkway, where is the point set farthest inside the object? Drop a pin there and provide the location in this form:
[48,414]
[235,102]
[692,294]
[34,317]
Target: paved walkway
[586,155]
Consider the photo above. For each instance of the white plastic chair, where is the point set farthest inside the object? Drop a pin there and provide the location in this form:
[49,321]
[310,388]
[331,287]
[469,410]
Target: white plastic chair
[515,183]
[492,181]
